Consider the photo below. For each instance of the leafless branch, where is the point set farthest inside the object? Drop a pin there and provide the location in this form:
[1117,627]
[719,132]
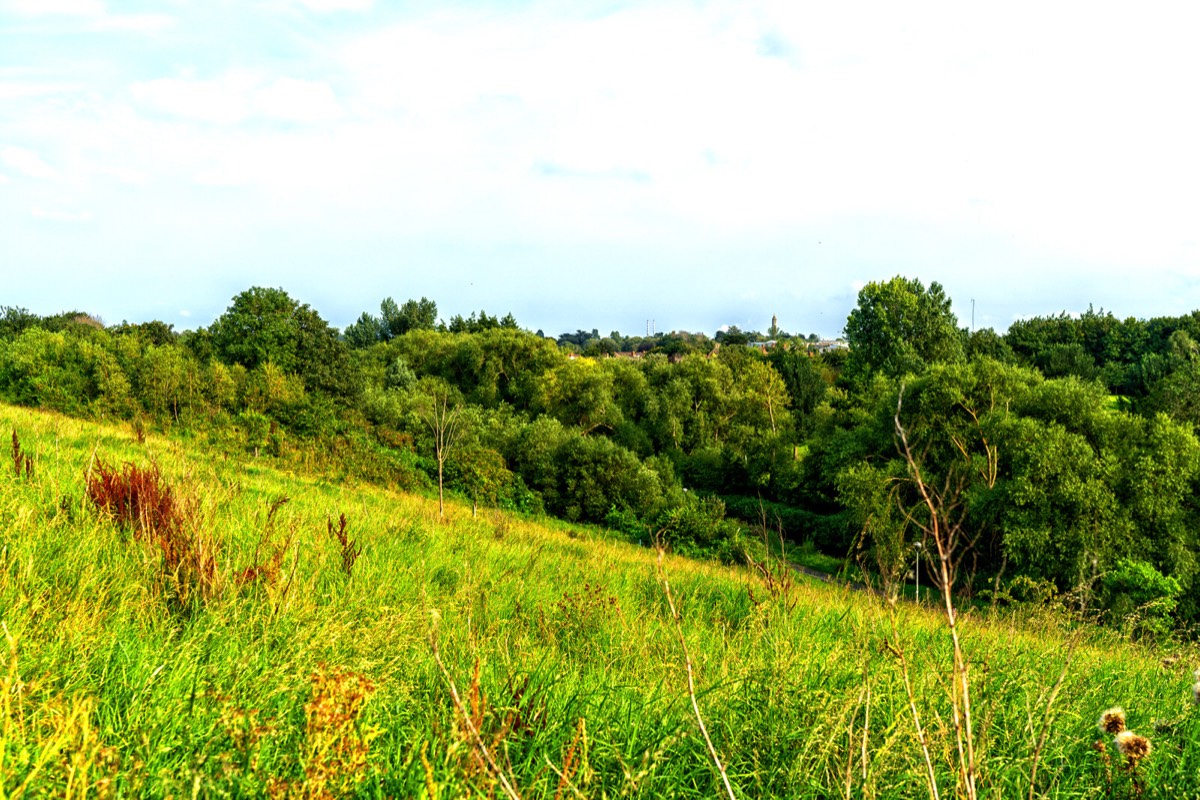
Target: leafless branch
[944,528]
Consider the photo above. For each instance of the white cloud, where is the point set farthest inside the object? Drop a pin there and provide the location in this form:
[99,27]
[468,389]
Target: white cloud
[224,101]
[1058,133]
[137,23]
[239,95]
[27,162]
[336,5]
[58,215]
[16,90]
[129,177]
[63,7]
[223,175]
[297,101]
[3,179]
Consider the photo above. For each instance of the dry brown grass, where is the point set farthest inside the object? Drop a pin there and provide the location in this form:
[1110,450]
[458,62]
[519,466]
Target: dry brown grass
[141,501]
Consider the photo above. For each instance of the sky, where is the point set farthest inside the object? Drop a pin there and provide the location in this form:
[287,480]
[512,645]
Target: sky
[599,164]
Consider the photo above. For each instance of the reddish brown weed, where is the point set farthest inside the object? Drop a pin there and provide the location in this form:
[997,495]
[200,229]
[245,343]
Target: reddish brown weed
[350,551]
[582,615]
[21,461]
[140,500]
[571,760]
[268,556]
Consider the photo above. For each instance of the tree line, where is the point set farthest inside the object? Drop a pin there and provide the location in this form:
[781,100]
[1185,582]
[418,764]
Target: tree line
[1069,442]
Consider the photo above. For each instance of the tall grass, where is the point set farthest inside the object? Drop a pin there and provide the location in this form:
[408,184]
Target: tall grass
[559,642]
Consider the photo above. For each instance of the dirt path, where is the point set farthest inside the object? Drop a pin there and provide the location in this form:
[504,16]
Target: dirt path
[825,577]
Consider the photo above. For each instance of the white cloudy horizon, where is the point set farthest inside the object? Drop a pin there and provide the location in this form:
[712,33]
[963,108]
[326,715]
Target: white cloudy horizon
[598,164]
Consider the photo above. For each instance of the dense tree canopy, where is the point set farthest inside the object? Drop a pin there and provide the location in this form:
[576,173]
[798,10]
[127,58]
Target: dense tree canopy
[1070,441]
[900,326]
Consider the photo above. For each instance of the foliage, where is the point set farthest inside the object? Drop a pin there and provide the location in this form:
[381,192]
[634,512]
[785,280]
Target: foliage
[698,527]
[264,326]
[899,326]
[333,686]
[1073,436]
[1139,598]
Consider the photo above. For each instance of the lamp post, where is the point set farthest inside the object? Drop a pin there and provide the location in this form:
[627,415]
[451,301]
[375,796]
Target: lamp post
[917,547]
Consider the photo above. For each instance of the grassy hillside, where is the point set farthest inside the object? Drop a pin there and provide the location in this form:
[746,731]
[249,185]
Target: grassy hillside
[255,665]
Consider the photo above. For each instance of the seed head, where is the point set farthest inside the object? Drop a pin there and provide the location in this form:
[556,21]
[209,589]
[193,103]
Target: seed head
[1112,720]
[1196,693]
[1132,746]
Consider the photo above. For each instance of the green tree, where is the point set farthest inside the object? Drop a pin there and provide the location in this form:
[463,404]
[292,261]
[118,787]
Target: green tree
[899,326]
[365,332]
[264,325]
[414,315]
[580,393]
[14,321]
[482,474]
[804,377]
[163,380]
[985,342]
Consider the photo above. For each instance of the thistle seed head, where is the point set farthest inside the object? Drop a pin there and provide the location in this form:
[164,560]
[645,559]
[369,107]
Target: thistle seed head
[1112,721]
[1132,746]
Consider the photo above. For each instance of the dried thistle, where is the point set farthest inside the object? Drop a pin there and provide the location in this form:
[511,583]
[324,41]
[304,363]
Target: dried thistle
[1132,746]
[1196,693]
[1112,721]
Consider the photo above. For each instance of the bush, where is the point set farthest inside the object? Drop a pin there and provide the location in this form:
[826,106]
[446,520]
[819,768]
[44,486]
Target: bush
[1139,599]
[698,527]
[628,523]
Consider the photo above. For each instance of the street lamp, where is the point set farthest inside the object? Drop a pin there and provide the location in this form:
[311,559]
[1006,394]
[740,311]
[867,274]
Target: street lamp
[918,547]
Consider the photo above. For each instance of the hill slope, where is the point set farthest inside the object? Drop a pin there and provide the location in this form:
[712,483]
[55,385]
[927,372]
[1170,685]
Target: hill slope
[236,656]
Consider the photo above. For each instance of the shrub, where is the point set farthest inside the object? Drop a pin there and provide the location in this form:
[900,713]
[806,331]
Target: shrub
[1140,599]
[698,527]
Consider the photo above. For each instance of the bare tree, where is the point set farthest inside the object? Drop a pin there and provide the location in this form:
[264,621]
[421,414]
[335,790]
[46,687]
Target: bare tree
[939,516]
[443,417]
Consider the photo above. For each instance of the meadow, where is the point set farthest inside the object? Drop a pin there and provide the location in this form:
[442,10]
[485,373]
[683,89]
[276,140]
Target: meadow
[320,638]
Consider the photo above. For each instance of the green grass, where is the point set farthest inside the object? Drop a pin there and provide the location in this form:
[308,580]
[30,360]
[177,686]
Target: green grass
[319,682]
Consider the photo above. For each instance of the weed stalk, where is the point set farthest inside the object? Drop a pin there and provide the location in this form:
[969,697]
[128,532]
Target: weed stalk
[687,657]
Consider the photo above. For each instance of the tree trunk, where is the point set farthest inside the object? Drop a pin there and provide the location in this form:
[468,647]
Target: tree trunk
[441,501]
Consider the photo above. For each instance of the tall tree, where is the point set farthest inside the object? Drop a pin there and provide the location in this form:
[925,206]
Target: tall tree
[899,326]
[268,325]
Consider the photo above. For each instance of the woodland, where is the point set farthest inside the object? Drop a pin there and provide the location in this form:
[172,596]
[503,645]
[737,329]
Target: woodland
[1064,450]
